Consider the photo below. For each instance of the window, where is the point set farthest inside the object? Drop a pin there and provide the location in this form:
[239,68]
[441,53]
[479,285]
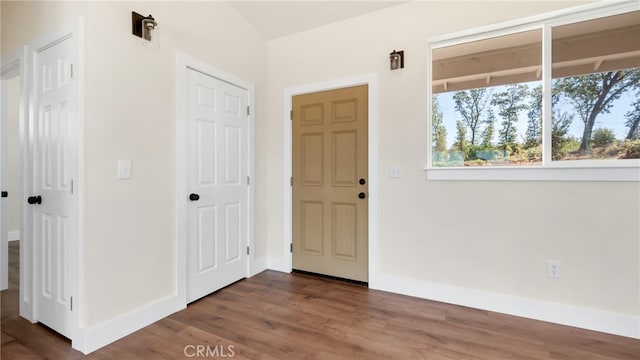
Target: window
[596,89]
[490,107]
[483,92]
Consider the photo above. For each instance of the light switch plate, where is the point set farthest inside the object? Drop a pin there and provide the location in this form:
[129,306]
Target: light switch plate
[124,169]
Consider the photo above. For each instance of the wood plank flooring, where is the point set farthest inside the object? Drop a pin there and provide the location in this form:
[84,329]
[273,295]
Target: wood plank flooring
[293,316]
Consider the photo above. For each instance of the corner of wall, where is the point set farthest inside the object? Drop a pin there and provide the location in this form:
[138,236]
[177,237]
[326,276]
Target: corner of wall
[96,337]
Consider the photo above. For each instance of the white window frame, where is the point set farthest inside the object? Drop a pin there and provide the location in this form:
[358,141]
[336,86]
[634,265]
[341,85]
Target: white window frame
[549,170]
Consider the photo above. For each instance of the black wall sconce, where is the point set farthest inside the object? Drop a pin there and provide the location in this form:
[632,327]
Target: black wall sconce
[143,26]
[396,59]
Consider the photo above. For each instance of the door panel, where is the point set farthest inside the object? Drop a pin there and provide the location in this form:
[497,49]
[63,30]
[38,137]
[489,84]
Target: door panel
[52,181]
[312,227]
[344,231]
[207,238]
[330,146]
[206,153]
[312,159]
[344,150]
[217,171]
[233,152]
[234,232]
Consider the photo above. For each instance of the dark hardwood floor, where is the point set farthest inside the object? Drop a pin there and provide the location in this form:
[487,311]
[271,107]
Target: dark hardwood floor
[293,316]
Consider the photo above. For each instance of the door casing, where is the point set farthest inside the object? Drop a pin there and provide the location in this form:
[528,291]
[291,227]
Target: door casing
[183,63]
[285,263]
[11,67]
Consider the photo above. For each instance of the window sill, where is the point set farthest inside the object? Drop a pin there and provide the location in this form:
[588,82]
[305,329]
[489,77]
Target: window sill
[537,173]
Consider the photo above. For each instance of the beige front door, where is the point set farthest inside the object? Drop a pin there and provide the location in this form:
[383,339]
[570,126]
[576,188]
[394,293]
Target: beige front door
[330,184]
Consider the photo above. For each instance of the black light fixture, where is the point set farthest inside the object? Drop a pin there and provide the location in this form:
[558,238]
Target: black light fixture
[396,59]
[143,26]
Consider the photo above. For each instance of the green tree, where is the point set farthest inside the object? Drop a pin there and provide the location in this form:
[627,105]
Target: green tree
[489,130]
[510,103]
[533,136]
[603,137]
[594,94]
[439,130]
[470,104]
[461,143]
[633,120]
[561,121]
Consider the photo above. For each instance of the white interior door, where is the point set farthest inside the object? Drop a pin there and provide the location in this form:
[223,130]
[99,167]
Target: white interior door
[217,170]
[53,227]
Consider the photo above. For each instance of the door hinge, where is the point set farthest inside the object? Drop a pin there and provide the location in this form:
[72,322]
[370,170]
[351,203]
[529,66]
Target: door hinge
[290,114]
[71,186]
[71,303]
[248,180]
[291,181]
[5,194]
[71,71]
[248,252]
[291,247]
[248,110]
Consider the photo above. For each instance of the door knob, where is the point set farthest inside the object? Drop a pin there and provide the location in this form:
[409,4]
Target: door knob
[34,200]
[362,195]
[194,197]
[362,181]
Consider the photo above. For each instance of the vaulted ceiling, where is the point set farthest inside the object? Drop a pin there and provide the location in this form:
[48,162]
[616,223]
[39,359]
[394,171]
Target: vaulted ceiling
[276,19]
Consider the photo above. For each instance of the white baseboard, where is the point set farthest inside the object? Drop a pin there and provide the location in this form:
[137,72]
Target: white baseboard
[586,318]
[257,266]
[278,264]
[91,339]
[13,235]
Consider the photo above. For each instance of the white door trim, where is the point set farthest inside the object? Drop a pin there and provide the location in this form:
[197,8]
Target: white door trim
[74,31]
[18,61]
[183,63]
[372,81]
[11,66]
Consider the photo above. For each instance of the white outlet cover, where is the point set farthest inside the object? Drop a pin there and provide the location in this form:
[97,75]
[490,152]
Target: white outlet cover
[395,171]
[124,169]
[553,269]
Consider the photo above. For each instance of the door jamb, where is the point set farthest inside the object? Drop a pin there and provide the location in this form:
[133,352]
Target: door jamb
[367,79]
[183,63]
[11,66]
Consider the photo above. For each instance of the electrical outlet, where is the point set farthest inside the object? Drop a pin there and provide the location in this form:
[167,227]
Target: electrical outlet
[395,171]
[553,269]
[124,169]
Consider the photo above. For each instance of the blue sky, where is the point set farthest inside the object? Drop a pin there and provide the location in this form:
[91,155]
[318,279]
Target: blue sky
[614,120]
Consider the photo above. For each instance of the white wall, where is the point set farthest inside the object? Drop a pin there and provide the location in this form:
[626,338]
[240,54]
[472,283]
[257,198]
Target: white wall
[41,15]
[130,114]
[491,237]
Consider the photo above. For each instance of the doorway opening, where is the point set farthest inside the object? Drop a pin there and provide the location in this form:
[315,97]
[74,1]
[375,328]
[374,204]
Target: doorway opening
[11,208]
